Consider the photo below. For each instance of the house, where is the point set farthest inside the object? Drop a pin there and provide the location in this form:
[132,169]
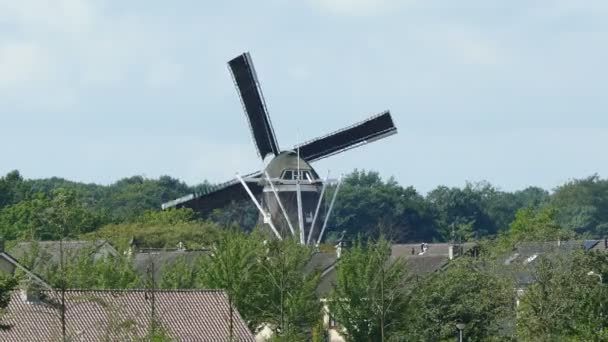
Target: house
[522,259]
[40,253]
[158,260]
[421,259]
[9,265]
[122,315]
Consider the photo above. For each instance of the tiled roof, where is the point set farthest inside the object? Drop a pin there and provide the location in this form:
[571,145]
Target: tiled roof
[8,259]
[49,251]
[418,264]
[321,261]
[163,259]
[123,315]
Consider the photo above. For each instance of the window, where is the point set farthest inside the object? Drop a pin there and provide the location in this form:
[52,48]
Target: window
[293,175]
[287,174]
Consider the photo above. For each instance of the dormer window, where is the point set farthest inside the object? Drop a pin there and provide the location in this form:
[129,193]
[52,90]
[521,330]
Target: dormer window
[293,175]
[288,174]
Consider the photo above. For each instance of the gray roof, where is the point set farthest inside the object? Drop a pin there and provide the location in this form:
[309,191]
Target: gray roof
[522,260]
[321,261]
[287,160]
[419,264]
[143,260]
[10,264]
[123,315]
[49,251]
[597,245]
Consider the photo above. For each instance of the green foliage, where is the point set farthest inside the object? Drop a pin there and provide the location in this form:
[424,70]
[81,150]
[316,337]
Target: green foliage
[469,291]
[7,283]
[125,200]
[25,219]
[48,218]
[366,202]
[181,274]
[168,217]
[583,206]
[455,206]
[291,304]
[234,266]
[534,225]
[194,234]
[565,303]
[12,189]
[242,214]
[370,291]
[84,271]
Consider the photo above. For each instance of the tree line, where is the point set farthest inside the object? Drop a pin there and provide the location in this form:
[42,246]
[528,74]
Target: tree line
[367,205]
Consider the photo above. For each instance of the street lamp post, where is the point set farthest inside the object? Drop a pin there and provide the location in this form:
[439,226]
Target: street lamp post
[460,327]
[591,273]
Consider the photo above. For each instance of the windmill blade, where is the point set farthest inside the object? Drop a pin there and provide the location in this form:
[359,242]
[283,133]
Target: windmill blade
[250,92]
[218,196]
[377,127]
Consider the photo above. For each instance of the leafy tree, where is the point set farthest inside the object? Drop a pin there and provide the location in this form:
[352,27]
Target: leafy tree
[369,295]
[82,271]
[534,225]
[564,302]
[291,306]
[7,283]
[455,207]
[48,218]
[193,234]
[583,206]
[169,216]
[469,291]
[26,219]
[234,267]
[11,189]
[366,202]
[181,274]
[242,214]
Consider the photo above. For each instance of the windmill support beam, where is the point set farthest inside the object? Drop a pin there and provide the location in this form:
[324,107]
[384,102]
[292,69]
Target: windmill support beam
[314,219]
[276,195]
[300,214]
[267,218]
[331,206]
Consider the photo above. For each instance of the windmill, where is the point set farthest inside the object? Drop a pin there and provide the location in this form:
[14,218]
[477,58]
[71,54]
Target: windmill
[288,192]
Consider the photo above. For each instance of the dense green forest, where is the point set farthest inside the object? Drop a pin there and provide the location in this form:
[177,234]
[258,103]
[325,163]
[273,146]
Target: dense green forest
[367,205]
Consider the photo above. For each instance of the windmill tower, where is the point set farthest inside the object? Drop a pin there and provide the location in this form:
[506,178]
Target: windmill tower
[288,192]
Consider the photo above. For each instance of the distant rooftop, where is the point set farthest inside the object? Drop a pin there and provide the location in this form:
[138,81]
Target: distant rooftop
[122,315]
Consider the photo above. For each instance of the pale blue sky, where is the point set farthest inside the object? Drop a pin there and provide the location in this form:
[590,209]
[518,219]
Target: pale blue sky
[513,92]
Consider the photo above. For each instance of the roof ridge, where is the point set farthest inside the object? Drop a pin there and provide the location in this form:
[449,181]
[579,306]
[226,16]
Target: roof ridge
[139,290]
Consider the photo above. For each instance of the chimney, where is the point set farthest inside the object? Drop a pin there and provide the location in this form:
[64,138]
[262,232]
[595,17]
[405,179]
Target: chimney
[339,249]
[30,294]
